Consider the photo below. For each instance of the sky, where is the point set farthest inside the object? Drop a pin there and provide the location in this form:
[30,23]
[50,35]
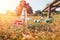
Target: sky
[38,4]
[12,4]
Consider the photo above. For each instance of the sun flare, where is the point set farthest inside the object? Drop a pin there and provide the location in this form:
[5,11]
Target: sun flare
[8,5]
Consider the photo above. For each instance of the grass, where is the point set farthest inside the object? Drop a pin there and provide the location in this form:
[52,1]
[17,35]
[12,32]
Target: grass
[39,31]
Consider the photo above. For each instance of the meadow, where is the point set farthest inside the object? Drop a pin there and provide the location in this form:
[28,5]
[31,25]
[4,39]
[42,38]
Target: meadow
[34,31]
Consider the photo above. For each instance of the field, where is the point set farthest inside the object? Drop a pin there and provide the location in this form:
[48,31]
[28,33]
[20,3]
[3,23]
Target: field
[34,31]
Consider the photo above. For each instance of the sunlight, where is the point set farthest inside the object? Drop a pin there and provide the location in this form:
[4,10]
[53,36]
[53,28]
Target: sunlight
[8,5]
